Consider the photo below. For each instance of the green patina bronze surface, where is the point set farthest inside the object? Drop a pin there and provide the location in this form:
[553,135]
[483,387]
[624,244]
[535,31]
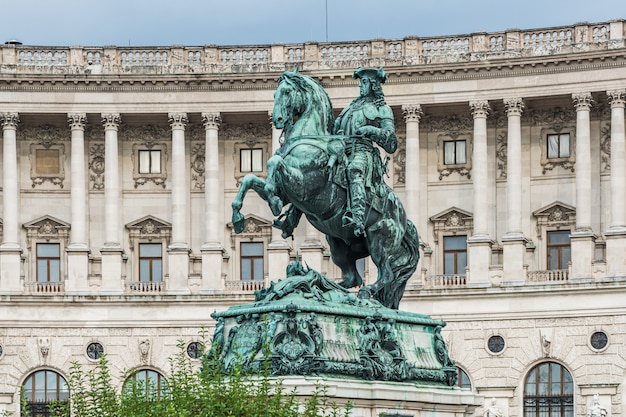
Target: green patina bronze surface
[307,324]
[331,172]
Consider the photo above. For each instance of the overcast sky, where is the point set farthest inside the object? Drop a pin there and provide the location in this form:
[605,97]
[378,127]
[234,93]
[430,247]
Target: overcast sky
[251,22]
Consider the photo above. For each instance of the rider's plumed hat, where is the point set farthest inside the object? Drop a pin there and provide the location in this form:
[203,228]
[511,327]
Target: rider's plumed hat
[373,73]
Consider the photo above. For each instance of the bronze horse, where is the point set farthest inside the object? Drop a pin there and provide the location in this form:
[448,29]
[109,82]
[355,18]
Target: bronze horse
[308,174]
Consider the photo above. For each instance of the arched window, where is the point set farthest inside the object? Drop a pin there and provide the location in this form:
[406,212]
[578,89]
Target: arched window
[147,382]
[43,389]
[463,380]
[549,391]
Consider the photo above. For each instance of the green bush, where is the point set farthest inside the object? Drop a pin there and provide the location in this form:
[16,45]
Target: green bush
[204,392]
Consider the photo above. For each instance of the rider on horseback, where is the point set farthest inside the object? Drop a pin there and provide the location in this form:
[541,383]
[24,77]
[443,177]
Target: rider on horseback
[367,119]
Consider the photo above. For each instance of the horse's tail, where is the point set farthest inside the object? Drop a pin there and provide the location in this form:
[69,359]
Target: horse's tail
[403,265]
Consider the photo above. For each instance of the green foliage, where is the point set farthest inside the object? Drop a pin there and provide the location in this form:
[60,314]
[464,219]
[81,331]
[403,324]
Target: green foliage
[191,392]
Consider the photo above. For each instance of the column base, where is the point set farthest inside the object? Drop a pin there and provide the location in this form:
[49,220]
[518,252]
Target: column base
[615,239]
[278,259]
[312,252]
[479,248]
[178,260]
[583,246]
[513,251]
[111,273]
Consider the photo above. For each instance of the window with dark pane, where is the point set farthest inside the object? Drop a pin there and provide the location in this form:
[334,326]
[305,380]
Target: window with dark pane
[251,261]
[1,351]
[559,249]
[195,350]
[149,161]
[463,380]
[153,383]
[150,262]
[454,255]
[95,351]
[558,145]
[48,262]
[454,152]
[549,391]
[599,340]
[41,389]
[251,160]
[495,344]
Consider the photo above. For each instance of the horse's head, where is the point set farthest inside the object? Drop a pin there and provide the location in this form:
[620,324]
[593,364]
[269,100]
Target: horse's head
[289,100]
[300,98]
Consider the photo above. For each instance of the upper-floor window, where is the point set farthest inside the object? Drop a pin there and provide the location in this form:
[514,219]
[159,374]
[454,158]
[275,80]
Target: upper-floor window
[549,391]
[454,152]
[252,261]
[454,255]
[150,262]
[41,389]
[149,161]
[558,145]
[251,160]
[559,249]
[48,262]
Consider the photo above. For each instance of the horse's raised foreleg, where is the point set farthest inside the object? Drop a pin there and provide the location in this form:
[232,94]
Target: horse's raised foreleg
[269,187]
[257,184]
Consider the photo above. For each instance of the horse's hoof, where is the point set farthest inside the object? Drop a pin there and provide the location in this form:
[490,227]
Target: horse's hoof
[365,293]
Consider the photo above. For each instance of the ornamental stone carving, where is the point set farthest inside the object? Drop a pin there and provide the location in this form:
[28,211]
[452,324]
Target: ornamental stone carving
[197,166]
[76,120]
[148,229]
[513,106]
[555,216]
[96,167]
[617,98]
[501,154]
[582,101]
[605,146]
[9,120]
[556,118]
[144,351]
[248,130]
[144,133]
[412,112]
[211,120]
[452,221]
[111,120]
[479,108]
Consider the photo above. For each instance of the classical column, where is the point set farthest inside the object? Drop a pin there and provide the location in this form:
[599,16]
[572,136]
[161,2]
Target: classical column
[179,248]
[78,251]
[10,251]
[582,238]
[112,250]
[212,248]
[479,244]
[412,115]
[514,242]
[616,234]
[278,249]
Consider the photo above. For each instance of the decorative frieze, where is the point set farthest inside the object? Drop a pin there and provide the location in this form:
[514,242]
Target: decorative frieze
[47,155]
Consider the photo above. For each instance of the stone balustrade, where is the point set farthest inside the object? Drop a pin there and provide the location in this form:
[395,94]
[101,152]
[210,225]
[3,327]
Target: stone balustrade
[145,287]
[34,287]
[211,59]
[445,281]
[548,276]
[247,286]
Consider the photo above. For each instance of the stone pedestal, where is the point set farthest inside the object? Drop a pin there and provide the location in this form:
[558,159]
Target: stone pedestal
[513,251]
[312,252]
[374,398]
[77,270]
[10,266]
[479,259]
[111,283]
[615,252]
[278,258]
[178,259]
[212,258]
[583,249]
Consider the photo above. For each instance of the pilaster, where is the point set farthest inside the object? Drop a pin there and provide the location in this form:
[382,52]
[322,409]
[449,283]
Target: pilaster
[10,251]
[514,242]
[212,249]
[77,250]
[178,251]
[616,234]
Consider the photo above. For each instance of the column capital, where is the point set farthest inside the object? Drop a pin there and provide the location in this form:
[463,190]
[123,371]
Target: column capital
[617,98]
[211,120]
[9,120]
[582,101]
[412,112]
[77,120]
[513,106]
[479,108]
[111,120]
[177,120]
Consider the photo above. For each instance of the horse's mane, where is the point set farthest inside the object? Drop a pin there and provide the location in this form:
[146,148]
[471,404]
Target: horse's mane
[316,92]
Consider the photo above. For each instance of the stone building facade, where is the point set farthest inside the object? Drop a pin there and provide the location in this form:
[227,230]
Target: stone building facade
[119,165]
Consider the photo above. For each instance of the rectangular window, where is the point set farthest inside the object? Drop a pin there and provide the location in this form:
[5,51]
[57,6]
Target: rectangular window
[251,160]
[48,161]
[251,261]
[559,249]
[454,152]
[48,262]
[149,161]
[454,255]
[150,262]
[558,145]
